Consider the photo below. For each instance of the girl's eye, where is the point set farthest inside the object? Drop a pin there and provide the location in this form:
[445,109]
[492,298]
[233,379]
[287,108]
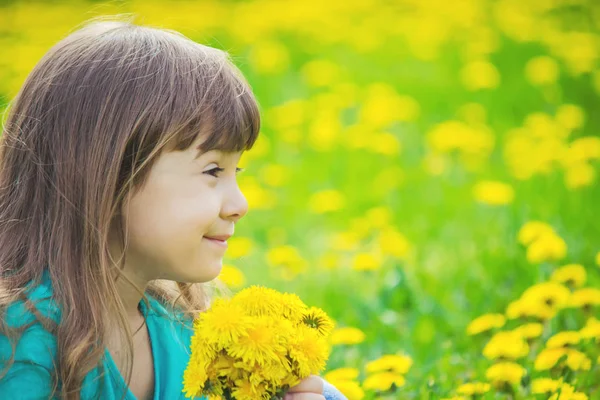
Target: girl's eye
[216,170]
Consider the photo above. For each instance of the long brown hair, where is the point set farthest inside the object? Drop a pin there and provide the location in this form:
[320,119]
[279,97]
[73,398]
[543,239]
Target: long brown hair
[79,138]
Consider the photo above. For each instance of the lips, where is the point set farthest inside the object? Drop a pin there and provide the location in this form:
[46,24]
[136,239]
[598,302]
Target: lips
[219,237]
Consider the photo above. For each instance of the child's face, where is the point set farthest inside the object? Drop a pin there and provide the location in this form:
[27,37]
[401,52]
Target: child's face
[179,207]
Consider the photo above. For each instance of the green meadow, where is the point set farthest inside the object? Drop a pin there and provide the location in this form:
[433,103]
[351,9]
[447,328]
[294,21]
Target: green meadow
[426,173]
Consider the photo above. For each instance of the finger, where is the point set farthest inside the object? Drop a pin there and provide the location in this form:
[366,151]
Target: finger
[311,384]
[303,396]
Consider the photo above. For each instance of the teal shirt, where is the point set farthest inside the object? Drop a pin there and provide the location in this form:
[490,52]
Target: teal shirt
[29,377]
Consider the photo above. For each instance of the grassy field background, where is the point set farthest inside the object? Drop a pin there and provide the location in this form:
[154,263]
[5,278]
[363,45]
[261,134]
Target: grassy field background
[405,146]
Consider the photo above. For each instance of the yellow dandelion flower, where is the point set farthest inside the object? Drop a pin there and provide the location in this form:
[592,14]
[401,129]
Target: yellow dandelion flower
[345,373]
[551,293]
[523,308]
[567,392]
[493,193]
[260,345]
[317,319]
[563,339]
[194,379]
[398,363]
[586,297]
[531,330]
[473,388]
[544,386]
[598,259]
[508,345]
[308,350]
[292,307]
[485,323]
[550,357]
[578,361]
[259,301]
[392,242]
[222,324]
[245,390]
[347,335]
[505,373]
[573,275]
[532,230]
[383,381]
[579,175]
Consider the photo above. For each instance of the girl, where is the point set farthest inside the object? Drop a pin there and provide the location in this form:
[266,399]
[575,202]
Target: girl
[117,195]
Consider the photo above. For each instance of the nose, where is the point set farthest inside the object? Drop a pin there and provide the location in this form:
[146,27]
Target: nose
[235,204]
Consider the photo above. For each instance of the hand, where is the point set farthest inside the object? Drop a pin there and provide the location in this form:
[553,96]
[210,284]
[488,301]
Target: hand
[310,388]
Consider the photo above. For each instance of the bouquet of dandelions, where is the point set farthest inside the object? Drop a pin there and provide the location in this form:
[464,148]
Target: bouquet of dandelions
[256,345]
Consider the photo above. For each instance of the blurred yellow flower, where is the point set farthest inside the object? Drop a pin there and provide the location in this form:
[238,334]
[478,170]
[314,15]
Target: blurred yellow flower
[523,308]
[549,357]
[393,243]
[349,388]
[541,70]
[579,175]
[548,247]
[550,293]
[598,258]
[485,323]
[567,392]
[330,261]
[591,330]
[326,201]
[232,276]
[338,374]
[505,373]
[473,388]
[347,335]
[319,73]
[531,330]
[572,275]
[581,150]
[344,241]
[570,116]
[383,381]
[493,193]
[544,386]
[533,230]
[397,363]
[274,175]
[585,297]
[383,105]
[257,196]
[385,143]
[286,257]
[480,75]
[269,57]
[506,345]
[563,339]
[239,246]
[366,262]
